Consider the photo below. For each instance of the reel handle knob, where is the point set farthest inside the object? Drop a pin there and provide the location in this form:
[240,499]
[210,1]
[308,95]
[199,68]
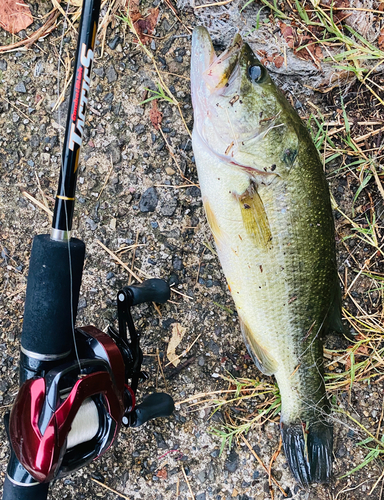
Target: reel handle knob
[152,290]
[158,404]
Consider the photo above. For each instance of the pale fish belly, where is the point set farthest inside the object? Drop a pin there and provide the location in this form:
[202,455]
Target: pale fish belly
[257,276]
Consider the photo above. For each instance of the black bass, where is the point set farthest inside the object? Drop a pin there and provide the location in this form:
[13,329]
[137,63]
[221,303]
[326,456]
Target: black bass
[268,206]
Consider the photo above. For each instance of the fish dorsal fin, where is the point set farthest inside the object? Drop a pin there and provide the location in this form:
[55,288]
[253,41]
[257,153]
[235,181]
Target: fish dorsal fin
[254,217]
[262,359]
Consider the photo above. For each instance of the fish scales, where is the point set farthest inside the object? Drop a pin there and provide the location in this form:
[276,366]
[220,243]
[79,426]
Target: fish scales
[267,203]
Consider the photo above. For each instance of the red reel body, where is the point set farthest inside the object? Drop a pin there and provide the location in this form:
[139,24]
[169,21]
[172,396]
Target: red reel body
[46,408]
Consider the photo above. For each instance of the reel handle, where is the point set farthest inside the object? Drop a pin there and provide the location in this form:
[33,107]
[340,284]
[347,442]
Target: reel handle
[158,404]
[152,290]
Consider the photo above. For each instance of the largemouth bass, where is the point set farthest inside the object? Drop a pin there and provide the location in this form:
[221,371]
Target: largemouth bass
[268,206]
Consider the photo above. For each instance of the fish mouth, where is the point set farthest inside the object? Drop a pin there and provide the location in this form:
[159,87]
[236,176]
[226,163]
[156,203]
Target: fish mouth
[218,74]
[228,69]
[208,68]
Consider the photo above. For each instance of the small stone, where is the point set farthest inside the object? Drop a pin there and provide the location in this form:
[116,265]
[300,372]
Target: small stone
[173,279]
[82,303]
[153,45]
[45,157]
[201,476]
[194,191]
[92,224]
[112,224]
[139,129]
[113,151]
[169,207]
[149,200]
[232,461]
[170,171]
[341,452]
[35,141]
[113,43]
[201,362]
[99,72]
[110,275]
[15,117]
[3,65]
[111,74]
[20,87]
[177,263]
[201,496]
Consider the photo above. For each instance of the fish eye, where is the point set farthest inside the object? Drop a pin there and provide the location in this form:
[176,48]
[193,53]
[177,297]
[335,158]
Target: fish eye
[255,73]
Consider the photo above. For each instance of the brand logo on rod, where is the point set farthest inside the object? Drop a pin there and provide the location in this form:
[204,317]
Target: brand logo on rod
[81,97]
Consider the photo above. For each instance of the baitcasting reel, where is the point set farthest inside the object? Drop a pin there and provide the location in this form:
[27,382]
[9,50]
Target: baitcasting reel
[71,414]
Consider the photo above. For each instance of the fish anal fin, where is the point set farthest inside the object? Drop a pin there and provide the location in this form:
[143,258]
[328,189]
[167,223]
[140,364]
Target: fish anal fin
[254,217]
[262,359]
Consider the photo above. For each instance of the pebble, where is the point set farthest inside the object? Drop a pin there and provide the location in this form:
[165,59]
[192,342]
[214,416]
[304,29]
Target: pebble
[201,496]
[177,263]
[99,72]
[111,74]
[169,207]
[201,476]
[173,279]
[139,129]
[3,65]
[20,87]
[82,303]
[232,461]
[113,43]
[92,224]
[149,200]
[114,151]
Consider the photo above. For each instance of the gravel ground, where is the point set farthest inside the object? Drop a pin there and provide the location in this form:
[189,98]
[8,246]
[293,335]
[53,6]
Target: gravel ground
[131,189]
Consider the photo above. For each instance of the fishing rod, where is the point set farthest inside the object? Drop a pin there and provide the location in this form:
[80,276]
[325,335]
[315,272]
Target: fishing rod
[77,385]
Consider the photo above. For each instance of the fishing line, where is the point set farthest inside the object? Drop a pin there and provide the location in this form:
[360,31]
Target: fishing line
[63,190]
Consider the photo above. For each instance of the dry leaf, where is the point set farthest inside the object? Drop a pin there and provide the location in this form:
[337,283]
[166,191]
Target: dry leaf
[14,15]
[145,26]
[162,474]
[178,333]
[155,115]
[380,41]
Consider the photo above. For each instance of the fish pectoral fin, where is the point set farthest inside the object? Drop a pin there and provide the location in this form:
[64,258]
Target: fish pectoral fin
[254,217]
[262,359]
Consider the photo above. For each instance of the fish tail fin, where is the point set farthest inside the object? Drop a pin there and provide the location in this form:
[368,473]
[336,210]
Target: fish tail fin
[308,451]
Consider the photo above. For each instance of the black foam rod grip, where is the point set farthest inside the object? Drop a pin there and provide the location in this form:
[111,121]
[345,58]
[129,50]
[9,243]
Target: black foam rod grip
[12,491]
[158,404]
[53,288]
[152,290]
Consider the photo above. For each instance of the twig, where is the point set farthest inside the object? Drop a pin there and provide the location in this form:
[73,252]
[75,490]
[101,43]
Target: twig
[37,202]
[109,488]
[119,261]
[189,486]
[133,256]
[262,464]
[274,456]
[216,4]
[161,368]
